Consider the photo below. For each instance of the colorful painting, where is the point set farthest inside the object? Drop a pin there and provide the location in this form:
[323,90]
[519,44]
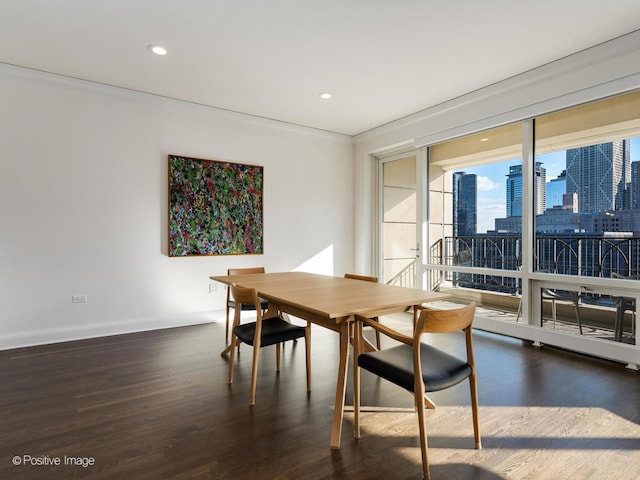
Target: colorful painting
[215,208]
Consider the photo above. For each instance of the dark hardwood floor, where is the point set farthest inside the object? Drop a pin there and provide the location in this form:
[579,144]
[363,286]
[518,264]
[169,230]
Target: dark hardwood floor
[156,405]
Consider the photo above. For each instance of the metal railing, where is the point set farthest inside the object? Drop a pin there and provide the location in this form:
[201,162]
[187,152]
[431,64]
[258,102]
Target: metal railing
[406,276]
[586,256]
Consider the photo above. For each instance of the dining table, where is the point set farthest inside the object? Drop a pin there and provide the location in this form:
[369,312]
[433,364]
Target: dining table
[331,302]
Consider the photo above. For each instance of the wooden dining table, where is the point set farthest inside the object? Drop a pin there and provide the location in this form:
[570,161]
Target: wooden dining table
[332,302]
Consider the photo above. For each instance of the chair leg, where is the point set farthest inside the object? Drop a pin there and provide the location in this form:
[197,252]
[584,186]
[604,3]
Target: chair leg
[278,352]
[420,406]
[232,352]
[377,335]
[226,328]
[254,375]
[474,410]
[307,348]
[578,316]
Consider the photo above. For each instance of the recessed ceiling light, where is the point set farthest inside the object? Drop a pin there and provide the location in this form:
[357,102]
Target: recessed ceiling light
[484,139]
[325,95]
[157,49]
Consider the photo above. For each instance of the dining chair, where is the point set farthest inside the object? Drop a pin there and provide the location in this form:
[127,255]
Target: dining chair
[564,296]
[366,279]
[624,304]
[263,333]
[419,367]
[555,295]
[264,304]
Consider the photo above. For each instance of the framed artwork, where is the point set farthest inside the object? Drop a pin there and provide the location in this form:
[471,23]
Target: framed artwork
[215,208]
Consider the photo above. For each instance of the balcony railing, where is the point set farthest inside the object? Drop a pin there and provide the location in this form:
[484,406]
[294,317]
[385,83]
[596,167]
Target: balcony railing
[586,256]
[577,255]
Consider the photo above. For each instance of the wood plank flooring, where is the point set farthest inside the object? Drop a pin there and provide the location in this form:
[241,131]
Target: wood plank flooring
[156,405]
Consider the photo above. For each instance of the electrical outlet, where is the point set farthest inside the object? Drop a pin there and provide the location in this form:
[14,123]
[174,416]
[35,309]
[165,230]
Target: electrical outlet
[79,299]
[214,287]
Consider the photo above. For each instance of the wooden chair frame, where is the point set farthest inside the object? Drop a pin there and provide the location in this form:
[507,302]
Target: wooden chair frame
[429,321]
[236,271]
[366,278]
[249,296]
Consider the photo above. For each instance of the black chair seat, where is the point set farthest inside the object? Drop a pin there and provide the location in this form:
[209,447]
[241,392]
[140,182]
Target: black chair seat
[264,304]
[274,330]
[439,369]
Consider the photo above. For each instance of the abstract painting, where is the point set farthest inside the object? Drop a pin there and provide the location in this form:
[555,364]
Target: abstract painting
[215,207]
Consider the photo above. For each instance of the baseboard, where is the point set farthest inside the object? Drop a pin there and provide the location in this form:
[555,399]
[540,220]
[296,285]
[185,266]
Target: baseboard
[65,334]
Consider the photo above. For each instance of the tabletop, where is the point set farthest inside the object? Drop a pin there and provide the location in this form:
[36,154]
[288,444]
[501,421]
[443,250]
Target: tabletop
[331,297]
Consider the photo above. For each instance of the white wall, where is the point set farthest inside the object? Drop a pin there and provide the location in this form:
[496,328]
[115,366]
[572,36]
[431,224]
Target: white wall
[607,69]
[83,206]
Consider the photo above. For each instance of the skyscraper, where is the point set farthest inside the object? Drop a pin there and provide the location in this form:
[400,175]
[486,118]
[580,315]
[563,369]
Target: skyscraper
[599,174]
[465,199]
[514,190]
[634,186]
[556,188]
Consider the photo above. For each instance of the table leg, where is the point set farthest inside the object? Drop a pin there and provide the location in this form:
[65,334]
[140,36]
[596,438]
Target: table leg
[338,408]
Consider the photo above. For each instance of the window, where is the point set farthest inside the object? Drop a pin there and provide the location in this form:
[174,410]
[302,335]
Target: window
[475,213]
[594,216]
[552,242]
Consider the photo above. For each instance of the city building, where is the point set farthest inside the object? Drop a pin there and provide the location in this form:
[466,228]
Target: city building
[599,174]
[514,190]
[555,189]
[465,199]
[512,224]
[633,187]
[616,221]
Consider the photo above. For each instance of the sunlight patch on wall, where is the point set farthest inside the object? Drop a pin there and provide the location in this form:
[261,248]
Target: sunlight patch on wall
[321,262]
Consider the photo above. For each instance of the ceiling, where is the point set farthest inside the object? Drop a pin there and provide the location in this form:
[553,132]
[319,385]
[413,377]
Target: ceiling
[380,59]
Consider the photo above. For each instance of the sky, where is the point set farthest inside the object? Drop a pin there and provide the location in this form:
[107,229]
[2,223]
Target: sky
[492,183]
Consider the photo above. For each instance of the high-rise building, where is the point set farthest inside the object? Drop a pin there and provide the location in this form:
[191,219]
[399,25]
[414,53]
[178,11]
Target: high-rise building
[634,186]
[540,189]
[570,202]
[555,189]
[514,190]
[599,174]
[464,203]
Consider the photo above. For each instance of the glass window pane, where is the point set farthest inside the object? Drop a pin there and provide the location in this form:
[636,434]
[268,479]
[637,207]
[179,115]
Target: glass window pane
[591,221]
[475,215]
[591,314]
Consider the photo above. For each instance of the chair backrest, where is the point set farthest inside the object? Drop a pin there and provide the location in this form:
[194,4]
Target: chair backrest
[245,296]
[444,321]
[361,277]
[242,271]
